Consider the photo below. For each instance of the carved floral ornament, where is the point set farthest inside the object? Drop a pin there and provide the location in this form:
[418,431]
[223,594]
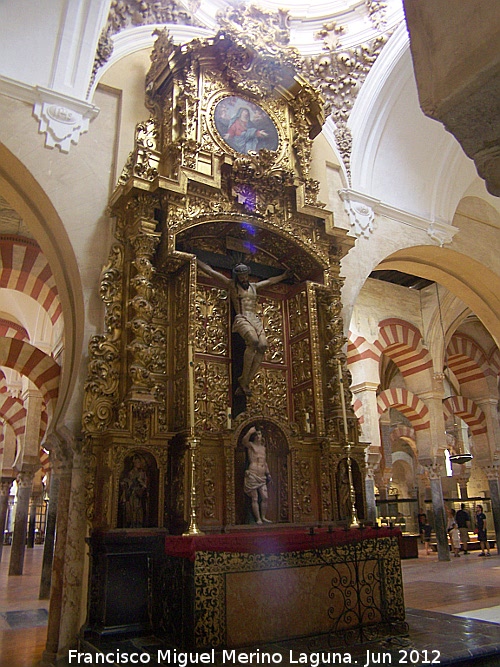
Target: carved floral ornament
[337,71]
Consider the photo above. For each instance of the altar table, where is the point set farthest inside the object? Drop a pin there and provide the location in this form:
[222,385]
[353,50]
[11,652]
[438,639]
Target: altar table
[258,586]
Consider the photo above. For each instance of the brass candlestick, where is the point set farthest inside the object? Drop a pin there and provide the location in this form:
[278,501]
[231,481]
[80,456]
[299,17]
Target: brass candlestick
[352,491]
[193,526]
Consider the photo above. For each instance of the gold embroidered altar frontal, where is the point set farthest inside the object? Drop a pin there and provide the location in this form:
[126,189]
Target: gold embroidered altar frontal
[352,591]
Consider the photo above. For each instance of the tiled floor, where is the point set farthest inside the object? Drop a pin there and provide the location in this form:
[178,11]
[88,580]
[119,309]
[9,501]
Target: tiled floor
[447,606]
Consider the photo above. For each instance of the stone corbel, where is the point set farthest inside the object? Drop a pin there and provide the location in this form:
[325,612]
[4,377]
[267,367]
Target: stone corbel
[361,212]
[441,232]
[62,119]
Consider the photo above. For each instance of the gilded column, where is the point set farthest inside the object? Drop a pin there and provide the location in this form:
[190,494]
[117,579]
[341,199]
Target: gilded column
[144,243]
[327,509]
[5,486]
[230,510]
[24,485]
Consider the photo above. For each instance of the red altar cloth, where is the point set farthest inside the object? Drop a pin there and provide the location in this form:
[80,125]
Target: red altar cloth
[270,541]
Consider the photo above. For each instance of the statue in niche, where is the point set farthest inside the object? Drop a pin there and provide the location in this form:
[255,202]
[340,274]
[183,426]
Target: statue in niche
[246,323]
[343,490]
[134,493]
[257,475]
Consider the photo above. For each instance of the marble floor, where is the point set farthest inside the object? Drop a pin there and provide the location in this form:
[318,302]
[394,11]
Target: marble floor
[453,614]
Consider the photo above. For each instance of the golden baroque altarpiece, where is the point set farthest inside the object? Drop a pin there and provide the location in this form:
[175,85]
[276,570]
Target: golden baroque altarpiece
[160,404]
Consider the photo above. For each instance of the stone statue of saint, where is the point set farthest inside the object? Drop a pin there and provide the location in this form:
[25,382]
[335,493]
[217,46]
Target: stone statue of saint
[257,475]
[246,323]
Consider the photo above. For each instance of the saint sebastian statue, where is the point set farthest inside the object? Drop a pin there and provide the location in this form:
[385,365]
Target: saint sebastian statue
[257,475]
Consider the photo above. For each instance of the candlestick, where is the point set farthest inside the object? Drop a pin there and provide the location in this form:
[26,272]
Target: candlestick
[352,491]
[191,385]
[192,528]
[308,423]
[229,419]
[342,399]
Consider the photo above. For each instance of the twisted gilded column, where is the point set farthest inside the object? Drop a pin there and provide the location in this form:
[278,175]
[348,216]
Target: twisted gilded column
[143,243]
[24,486]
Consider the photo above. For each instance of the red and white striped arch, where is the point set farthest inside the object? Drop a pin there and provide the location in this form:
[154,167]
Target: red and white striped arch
[11,329]
[402,342]
[28,360]
[402,431]
[3,383]
[359,349]
[467,410]
[14,413]
[357,406]
[408,404]
[405,433]
[44,460]
[44,420]
[494,361]
[24,268]
[467,360]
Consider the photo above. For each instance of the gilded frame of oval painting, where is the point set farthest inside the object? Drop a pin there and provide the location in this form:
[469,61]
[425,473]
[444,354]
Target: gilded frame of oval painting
[241,126]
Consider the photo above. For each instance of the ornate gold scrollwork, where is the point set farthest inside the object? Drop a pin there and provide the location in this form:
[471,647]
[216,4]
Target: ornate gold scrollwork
[101,388]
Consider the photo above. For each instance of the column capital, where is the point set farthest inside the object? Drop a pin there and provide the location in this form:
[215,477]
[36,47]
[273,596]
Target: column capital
[431,394]
[5,486]
[492,472]
[433,469]
[25,478]
[487,400]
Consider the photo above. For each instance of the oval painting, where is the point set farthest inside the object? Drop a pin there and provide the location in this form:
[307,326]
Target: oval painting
[245,126]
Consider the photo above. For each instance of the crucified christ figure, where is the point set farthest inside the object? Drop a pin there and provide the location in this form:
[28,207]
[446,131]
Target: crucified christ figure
[246,323]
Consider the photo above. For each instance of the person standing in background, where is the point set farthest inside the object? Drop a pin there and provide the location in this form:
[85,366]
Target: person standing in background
[481,531]
[463,522]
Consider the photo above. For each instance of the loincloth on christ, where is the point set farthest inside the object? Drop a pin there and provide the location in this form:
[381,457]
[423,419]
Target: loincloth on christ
[245,324]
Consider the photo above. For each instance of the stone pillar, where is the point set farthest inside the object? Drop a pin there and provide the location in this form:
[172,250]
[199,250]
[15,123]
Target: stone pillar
[492,473]
[371,506]
[74,558]
[434,473]
[50,534]
[463,480]
[5,486]
[24,484]
[490,408]
[62,469]
[32,520]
